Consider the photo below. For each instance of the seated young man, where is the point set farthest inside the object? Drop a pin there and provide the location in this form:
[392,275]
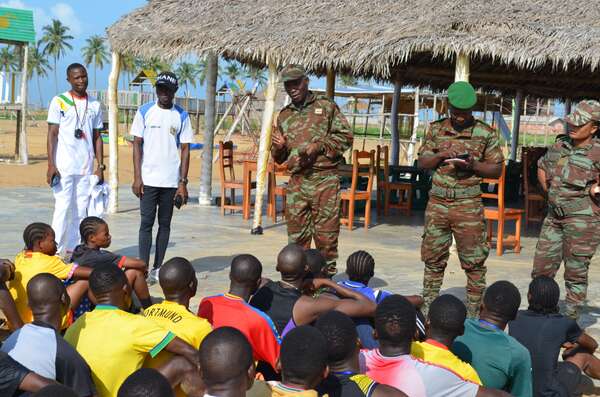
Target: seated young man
[445,322]
[303,363]
[360,269]
[178,281]
[38,257]
[95,238]
[392,364]
[345,379]
[115,343]
[7,303]
[145,382]
[40,347]
[231,309]
[15,378]
[543,331]
[226,361]
[284,302]
[317,268]
[500,361]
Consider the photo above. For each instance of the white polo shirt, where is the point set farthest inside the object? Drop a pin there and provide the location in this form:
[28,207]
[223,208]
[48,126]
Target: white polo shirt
[162,130]
[75,156]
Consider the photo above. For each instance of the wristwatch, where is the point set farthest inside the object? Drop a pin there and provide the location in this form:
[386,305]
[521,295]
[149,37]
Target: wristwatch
[183,180]
[102,167]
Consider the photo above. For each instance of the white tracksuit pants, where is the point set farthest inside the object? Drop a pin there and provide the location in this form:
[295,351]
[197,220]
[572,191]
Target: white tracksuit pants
[72,196]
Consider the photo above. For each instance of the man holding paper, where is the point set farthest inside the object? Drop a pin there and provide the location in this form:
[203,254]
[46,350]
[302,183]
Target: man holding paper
[460,150]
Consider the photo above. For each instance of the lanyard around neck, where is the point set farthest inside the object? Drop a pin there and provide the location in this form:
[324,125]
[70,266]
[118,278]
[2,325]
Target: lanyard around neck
[79,124]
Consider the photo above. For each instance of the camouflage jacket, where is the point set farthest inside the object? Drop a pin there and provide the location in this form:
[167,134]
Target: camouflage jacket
[318,120]
[480,141]
[570,172]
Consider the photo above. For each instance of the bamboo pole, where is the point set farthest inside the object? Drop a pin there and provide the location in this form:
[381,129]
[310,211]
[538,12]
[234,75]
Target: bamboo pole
[264,145]
[205,194]
[330,84]
[516,116]
[413,138]
[461,72]
[395,158]
[22,131]
[113,149]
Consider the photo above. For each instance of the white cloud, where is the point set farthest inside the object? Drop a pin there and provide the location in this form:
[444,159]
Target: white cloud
[61,11]
[65,13]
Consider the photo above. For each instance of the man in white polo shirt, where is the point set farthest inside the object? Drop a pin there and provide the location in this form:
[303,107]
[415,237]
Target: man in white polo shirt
[74,141]
[161,157]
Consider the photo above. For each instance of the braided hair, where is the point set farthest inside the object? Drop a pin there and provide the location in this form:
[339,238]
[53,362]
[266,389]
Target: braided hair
[360,267]
[544,293]
[35,233]
[89,226]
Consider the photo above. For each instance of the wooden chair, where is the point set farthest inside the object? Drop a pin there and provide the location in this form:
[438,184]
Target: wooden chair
[535,202]
[386,186]
[352,195]
[228,180]
[501,214]
[276,190]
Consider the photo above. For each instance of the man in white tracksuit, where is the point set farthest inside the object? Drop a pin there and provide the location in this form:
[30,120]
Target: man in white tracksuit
[74,141]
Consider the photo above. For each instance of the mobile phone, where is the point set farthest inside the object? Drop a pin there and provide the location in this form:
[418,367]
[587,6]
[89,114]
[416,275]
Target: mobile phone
[55,180]
[178,201]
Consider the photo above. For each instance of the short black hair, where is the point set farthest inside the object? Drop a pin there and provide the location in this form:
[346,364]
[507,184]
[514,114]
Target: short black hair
[360,266]
[89,226]
[291,260]
[56,390]
[447,315]
[225,354]
[74,66]
[396,321]
[105,279]
[502,299]
[175,275]
[316,262]
[44,292]
[34,233]
[145,382]
[340,333]
[245,269]
[303,355]
[544,294]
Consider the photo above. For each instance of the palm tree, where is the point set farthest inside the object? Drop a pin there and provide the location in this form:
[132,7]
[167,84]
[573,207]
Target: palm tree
[8,59]
[38,63]
[187,73]
[95,52]
[348,80]
[257,75]
[232,71]
[128,66]
[155,64]
[55,41]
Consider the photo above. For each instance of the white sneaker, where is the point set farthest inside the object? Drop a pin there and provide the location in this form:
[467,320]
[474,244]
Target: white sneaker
[153,276]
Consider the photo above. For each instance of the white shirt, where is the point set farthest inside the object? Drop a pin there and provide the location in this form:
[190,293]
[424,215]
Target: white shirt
[75,156]
[162,131]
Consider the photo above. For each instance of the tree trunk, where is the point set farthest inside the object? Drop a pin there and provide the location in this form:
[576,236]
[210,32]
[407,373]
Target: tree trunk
[113,149]
[40,91]
[394,122]
[212,66]
[55,77]
[22,131]
[95,78]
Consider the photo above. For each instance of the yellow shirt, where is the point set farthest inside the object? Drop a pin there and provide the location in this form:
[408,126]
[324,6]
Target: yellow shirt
[115,343]
[29,264]
[179,320]
[434,352]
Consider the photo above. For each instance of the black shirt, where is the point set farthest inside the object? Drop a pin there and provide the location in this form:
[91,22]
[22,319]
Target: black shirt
[11,375]
[277,302]
[543,335]
[92,257]
[347,385]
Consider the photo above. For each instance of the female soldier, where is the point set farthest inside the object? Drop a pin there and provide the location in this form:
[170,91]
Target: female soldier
[569,174]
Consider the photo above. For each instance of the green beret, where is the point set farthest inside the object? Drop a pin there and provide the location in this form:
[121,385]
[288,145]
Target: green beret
[292,72]
[461,95]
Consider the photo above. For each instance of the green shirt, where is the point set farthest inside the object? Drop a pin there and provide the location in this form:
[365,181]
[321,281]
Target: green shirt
[501,362]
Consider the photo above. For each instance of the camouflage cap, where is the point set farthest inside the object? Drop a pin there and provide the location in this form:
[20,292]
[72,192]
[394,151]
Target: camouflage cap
[461,95]
[586,110]
[292,72]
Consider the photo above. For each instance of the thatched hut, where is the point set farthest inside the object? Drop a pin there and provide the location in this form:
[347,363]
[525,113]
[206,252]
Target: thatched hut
[527,47]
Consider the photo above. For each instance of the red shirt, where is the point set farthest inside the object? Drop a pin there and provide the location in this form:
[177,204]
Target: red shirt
[228,310]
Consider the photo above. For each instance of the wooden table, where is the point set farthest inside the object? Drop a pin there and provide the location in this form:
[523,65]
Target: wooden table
[250,166]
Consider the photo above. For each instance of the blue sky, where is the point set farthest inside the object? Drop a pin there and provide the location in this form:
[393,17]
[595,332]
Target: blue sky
[84,18]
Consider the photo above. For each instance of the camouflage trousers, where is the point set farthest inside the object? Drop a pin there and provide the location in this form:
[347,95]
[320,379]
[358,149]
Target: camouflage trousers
[313,213]
[572,239]
[462,218]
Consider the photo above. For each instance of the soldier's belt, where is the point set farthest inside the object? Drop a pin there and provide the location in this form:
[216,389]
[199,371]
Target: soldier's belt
[569,207]
[456,193]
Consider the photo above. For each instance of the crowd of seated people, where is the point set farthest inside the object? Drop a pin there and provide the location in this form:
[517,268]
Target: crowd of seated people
[88,327]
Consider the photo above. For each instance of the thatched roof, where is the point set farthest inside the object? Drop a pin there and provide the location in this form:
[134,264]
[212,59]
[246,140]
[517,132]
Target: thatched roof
[547,47]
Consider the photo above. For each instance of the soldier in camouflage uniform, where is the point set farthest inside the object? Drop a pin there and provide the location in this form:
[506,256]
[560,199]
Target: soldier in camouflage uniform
[311,135]
[571,231]
[460,150]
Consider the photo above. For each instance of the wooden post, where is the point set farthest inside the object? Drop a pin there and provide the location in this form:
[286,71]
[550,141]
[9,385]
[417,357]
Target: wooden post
[545,124]
[395,158]
[381,130]
[354,110]
[205,195]
[568,105]
[436,115]
[461,72]
[516,116]
[264,145]
[413,139]
[330,84]
[113,133]
[22,131]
